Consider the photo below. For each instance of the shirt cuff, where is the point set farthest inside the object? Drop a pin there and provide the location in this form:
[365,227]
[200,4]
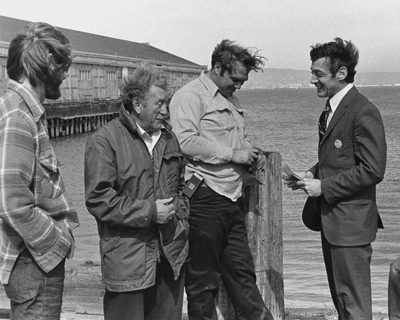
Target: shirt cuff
[58,252]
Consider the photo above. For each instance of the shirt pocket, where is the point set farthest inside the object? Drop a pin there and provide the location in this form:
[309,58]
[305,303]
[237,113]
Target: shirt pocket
[50,184]
[219,121]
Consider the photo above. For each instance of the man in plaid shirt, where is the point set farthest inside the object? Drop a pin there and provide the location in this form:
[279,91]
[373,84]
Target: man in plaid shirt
[36,220]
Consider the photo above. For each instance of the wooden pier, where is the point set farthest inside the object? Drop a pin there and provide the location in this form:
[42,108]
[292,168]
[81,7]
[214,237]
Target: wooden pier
[68,118]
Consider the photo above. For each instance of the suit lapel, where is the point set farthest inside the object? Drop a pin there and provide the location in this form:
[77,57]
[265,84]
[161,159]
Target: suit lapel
[340,111]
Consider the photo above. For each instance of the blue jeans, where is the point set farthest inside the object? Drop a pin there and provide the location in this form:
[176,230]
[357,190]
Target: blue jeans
[35,294]
[219,249]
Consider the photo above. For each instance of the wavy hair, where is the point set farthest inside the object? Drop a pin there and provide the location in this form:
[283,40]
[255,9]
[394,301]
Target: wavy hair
[35,52]
[137,85]
[227,53]
[341,53]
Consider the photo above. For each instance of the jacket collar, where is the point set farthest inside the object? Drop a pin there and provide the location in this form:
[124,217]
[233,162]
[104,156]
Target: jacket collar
[340,111]
[131,125]
[211,87]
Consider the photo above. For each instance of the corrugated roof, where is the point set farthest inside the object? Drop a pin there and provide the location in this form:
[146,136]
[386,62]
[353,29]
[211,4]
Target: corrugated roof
[93,43]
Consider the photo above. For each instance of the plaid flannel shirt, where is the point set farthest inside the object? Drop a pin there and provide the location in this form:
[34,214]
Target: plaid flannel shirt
[34,213]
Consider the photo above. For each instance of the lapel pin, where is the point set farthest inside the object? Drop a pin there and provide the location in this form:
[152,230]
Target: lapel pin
[338,144]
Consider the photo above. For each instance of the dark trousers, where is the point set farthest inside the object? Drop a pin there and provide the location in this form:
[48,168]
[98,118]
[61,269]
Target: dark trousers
[349,277]
[164,300]
[33,293]
[218,248]
[394,290]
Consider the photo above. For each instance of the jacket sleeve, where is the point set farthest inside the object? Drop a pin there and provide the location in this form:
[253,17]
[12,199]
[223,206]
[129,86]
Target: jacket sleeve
[314,170]
[369,156]
[102,200]
[183,200]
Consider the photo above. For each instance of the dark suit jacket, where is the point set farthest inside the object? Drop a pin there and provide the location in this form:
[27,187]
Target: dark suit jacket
[352,161]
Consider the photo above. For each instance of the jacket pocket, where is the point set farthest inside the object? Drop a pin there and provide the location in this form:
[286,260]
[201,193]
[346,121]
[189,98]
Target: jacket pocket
[123,259]
[356,202]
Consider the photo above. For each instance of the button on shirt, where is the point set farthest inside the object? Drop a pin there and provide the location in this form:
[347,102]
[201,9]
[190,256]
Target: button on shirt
[209,126]
[34,212]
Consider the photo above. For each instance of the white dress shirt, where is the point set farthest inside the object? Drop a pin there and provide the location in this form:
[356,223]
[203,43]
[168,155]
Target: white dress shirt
[335,100]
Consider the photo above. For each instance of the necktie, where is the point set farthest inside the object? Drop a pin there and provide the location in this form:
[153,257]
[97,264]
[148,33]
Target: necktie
[323,120]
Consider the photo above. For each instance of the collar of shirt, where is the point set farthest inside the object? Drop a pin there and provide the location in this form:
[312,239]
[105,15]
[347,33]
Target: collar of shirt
[213,90]
[335,100]
[29,97]
[211,87]
[149,140]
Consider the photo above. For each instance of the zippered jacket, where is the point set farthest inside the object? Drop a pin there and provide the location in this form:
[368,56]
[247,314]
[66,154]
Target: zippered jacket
[122,183]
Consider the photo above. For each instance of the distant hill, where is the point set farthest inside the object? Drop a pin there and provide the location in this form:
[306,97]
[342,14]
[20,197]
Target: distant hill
[289,78]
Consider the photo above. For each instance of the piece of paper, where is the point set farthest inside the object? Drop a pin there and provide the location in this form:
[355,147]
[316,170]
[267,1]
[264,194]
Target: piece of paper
[290,175]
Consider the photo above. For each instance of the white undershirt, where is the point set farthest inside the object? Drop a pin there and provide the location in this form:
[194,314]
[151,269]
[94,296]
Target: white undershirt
[149,140]
[335,100]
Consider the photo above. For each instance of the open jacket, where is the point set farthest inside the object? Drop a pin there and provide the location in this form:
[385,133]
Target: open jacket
[122,183]
[352,161]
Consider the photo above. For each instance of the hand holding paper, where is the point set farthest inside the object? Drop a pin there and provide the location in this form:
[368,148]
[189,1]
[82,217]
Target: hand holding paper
[289,174]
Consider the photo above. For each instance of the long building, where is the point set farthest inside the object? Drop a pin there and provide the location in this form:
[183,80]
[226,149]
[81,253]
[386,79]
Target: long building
[100,63]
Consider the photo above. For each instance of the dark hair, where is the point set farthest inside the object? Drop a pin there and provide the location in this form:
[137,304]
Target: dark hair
[341,53]
[137,85]
[33,53]
[228,52]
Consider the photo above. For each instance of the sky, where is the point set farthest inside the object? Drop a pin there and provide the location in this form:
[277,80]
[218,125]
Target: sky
[283,30]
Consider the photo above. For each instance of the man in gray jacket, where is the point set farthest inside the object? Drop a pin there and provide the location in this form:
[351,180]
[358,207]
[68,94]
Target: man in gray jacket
[133,178]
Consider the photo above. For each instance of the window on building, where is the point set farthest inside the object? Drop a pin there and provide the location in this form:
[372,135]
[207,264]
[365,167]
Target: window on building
[84,74]
[111,76]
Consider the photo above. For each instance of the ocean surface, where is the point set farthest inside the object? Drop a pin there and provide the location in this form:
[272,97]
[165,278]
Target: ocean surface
[283,120]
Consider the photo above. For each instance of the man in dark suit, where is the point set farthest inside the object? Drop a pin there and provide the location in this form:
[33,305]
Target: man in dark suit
[352,161]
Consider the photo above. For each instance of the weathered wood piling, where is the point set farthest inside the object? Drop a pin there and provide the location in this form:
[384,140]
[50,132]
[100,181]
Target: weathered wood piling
[64,119]
[263,204]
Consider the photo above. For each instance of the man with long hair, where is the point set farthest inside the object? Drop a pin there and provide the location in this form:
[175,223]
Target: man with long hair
[36,219]
[209,124]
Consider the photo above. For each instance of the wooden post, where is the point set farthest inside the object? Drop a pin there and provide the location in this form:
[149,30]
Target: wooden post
[264,231]
[57,134]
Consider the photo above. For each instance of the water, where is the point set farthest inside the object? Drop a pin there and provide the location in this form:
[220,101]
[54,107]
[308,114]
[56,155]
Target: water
[283,120]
